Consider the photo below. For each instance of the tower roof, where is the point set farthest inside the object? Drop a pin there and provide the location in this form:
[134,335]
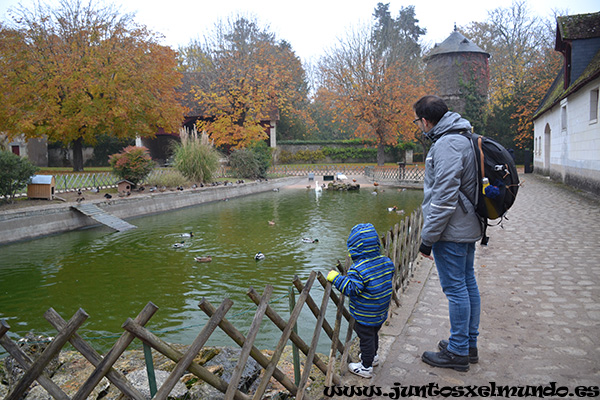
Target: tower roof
[455,43]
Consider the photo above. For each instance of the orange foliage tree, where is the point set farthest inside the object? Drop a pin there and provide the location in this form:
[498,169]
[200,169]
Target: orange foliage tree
[242,77]
[374,76]
[75,72]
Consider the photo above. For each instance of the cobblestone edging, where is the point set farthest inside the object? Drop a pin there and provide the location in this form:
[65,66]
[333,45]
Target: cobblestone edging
[34,222]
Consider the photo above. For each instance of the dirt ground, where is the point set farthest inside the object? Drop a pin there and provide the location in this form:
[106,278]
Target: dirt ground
[61,198]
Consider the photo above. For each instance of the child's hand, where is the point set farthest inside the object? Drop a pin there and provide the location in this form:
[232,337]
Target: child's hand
[331,275]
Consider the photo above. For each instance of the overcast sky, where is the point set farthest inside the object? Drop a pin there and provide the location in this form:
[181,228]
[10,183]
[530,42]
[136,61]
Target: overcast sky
[311,26]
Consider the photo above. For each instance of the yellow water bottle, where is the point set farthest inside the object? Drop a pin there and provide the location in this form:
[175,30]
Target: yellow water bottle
[485,183]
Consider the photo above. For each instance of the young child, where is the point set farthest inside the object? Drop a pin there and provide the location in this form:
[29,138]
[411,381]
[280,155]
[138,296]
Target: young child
[368,285]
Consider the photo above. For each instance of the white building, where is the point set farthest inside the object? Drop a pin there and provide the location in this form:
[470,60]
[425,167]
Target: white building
[566,125]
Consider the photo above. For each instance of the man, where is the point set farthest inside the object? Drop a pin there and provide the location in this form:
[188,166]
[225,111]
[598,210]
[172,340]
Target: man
[451,227]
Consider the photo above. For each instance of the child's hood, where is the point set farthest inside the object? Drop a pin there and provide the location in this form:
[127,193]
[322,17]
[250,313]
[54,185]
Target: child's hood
[363,242]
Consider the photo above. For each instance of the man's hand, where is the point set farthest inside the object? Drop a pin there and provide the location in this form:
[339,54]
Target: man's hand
[425,251]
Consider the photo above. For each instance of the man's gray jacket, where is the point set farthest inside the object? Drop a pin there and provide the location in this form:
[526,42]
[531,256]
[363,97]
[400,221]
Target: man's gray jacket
[450,185]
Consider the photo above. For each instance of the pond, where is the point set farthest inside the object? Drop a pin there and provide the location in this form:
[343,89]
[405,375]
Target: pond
[113,275]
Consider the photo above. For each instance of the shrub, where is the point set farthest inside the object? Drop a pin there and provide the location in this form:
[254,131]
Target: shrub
[15,173]
[166,177]
[132,163]
[195,157]
[263,155]
[252,162]
[301,157]
[244,164]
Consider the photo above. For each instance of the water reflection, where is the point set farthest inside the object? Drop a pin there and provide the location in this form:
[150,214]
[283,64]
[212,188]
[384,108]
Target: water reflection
[113,275]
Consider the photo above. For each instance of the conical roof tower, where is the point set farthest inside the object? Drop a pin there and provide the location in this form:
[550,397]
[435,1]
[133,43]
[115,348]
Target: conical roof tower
[460,68]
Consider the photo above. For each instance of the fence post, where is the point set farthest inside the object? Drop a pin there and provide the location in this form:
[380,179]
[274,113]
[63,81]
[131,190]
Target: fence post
[150,369]
[295,354]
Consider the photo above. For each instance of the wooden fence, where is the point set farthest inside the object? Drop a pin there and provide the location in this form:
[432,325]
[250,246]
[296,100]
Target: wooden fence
[400,243]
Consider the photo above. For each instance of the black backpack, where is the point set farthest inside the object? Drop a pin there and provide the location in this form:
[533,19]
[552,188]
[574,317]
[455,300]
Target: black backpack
[498,194]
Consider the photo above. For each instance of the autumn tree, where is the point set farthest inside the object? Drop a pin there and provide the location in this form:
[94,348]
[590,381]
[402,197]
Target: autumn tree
[374,75]
[240,76]
[75,72]
[522,68]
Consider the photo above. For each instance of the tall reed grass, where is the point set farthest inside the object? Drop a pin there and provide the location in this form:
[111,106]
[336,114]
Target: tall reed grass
[195,157]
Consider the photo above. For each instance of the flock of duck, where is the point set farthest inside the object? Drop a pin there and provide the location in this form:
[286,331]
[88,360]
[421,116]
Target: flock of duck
[260,256]
[203,259]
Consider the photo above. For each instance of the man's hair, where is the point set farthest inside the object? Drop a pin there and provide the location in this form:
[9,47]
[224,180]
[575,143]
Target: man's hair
[430,107]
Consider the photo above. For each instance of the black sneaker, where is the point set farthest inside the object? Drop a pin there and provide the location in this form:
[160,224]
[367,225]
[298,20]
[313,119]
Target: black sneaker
[473,355]
[446,359]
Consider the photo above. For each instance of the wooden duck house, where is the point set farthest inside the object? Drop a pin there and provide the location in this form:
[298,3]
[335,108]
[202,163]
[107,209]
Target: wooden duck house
[41,187]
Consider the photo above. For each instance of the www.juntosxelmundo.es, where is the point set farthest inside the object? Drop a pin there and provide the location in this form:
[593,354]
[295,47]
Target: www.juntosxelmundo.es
[398,391]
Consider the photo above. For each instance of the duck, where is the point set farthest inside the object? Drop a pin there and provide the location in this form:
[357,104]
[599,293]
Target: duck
[259,256]
[390,209]
[400,212]
[276,189]
[308,240]
[203,259]
[107,196]
[271,223]
[317,187]
[375,184]
[178,245]
[187,235]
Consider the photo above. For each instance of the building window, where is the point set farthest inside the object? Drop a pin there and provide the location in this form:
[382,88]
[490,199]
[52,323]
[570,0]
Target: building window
[594,94]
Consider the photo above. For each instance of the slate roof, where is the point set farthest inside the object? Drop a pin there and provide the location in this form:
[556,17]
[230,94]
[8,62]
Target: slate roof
[455,43]
[580,26]
[570,28]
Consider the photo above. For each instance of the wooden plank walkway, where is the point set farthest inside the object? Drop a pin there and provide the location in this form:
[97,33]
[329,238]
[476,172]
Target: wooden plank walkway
[92,211]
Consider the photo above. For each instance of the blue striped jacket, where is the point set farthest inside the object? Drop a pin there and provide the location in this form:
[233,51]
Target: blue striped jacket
[368,283]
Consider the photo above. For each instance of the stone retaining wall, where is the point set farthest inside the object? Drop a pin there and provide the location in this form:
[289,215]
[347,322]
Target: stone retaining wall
[35,222]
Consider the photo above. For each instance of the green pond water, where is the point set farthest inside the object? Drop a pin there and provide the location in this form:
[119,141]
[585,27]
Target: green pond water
[113,275]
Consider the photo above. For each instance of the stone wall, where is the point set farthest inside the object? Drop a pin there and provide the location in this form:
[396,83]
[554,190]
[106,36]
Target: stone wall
[34,222]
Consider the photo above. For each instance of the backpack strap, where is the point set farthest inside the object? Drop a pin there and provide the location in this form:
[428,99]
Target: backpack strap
[477,146]
[481,156]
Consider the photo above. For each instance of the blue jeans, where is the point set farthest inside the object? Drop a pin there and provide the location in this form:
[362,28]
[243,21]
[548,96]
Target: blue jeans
[454,263]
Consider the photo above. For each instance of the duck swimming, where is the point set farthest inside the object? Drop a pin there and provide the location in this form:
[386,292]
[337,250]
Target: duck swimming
[187,235]
[178,245]
[203,259]
[308,240]
[390,209]
[259,256]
